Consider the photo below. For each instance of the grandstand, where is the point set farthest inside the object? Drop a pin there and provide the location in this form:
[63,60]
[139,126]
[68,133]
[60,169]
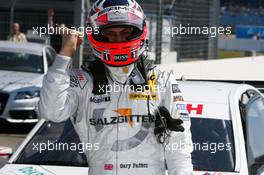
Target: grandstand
[248,3]
[242,12]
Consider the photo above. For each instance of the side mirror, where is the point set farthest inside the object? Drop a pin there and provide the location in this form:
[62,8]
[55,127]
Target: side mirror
[5,152]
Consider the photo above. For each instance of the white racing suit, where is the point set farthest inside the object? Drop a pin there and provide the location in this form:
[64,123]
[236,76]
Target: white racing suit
[118,121]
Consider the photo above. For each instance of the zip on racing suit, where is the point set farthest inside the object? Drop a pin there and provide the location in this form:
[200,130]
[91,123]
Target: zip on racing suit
[119,121]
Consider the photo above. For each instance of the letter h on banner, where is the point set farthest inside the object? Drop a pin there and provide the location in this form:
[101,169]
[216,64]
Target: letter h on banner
[198,109]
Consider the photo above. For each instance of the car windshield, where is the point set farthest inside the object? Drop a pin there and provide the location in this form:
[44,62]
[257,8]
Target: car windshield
[213,144]
[21,62]
[54,144]
[58,144]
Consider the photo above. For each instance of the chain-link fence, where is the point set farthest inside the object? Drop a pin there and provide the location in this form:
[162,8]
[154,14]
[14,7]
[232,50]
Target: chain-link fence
[180,16]
[176,13]
[33,14]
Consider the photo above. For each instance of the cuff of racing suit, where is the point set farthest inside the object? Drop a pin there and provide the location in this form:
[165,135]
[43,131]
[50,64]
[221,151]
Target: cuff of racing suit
[61,64]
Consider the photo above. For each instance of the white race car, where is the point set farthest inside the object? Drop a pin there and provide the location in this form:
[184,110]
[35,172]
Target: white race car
[227,127]
[22,66]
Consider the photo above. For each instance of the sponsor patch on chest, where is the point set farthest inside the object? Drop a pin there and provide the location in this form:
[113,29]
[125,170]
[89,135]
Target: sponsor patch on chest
[100,99]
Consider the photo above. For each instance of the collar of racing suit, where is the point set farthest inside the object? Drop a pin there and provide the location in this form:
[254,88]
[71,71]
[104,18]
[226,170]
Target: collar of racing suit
[138,77]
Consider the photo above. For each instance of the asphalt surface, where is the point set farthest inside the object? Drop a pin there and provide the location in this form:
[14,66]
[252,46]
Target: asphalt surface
[11,135]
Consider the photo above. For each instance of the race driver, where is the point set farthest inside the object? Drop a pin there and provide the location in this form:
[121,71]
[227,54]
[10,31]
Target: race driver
[142,129]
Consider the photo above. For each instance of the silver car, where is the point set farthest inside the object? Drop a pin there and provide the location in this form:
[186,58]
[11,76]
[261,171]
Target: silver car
[22,67]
